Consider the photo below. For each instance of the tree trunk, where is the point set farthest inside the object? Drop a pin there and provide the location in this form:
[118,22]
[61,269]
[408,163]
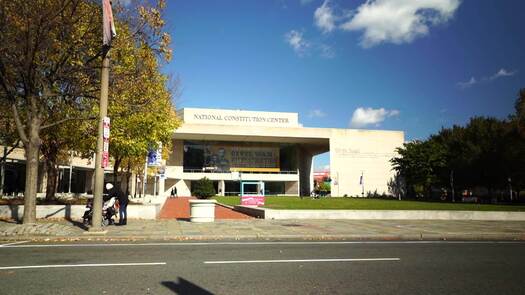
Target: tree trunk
[32,147]
[52,180]
[2,177]
[115,169]
[128,176]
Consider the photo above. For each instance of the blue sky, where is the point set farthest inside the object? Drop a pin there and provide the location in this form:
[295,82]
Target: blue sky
[413,66]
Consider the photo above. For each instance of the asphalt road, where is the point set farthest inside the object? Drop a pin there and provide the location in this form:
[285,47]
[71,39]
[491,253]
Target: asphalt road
[264,268]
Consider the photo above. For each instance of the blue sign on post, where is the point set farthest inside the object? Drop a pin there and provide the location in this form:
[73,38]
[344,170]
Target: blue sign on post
[155,157]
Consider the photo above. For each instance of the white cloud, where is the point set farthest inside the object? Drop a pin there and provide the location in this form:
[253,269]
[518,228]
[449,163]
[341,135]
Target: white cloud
[296,40]
[398,21]
[468,83]
[316,113]
[502,73]
[324,17]
[499,74]
[368,116]
[327,51]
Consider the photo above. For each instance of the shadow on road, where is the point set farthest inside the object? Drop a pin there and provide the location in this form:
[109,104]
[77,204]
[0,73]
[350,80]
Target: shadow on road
[185,287]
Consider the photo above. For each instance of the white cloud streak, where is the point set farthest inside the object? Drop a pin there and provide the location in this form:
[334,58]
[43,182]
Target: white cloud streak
[296,40]
[324,17]
[316,114]
[502,73]
[499,74]
[363,117]
[397,21]
[468,83]
[326,51]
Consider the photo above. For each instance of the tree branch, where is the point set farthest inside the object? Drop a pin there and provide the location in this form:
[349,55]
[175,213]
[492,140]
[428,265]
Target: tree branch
[65,120]
[19,125]
[4,157]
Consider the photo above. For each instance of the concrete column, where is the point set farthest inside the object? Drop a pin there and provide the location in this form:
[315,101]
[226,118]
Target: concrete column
[305,170]
[161,186]
[222,186]
[291,188]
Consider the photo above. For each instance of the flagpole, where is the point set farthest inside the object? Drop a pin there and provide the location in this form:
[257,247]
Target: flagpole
[99,170]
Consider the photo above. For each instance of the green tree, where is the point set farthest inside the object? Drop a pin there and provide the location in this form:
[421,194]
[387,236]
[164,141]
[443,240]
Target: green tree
[419,162]
[49,62]
[45,50]
[140,106]
[203,188]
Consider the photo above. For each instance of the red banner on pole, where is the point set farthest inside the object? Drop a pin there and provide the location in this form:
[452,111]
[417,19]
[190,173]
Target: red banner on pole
[105,136]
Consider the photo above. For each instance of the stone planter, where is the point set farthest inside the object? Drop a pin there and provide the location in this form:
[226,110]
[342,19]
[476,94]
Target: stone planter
[202,210]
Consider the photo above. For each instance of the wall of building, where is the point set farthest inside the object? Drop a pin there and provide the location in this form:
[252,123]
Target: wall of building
[366,152]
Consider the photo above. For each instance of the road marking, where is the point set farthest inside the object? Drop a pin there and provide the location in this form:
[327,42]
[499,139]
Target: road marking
[81,265]
[255,243]
[14,243]
[302,260]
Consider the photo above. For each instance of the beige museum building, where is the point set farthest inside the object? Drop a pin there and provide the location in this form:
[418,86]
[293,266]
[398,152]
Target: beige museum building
[234,146]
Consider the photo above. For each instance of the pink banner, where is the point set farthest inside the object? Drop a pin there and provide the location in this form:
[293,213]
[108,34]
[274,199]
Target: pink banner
[252,200]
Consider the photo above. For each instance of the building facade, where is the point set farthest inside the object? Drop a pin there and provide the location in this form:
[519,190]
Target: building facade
[234,146]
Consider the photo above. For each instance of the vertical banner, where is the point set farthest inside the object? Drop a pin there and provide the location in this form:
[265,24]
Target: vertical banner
[108,24]
[155,156]
[105,137]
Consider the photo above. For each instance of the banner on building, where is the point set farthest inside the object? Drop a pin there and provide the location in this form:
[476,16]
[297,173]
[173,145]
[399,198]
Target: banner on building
[224,157]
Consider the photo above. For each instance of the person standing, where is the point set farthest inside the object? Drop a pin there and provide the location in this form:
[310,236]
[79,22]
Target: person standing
[123,213]
[123,201]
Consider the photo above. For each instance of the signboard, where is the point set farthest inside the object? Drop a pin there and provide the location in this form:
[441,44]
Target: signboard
[162,172]
[105,137]
[155,157]
[240,118]
[252,200]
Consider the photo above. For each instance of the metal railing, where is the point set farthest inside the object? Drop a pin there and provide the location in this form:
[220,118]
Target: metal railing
[202,170]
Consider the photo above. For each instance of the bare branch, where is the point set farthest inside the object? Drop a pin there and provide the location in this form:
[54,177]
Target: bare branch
[19,125]
[65,120]
[4,157]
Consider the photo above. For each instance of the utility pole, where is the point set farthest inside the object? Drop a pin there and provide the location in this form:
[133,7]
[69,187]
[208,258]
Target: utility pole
[102,156]
[99,170]
[362,184]
[2,171]
[510,188]
[452,186]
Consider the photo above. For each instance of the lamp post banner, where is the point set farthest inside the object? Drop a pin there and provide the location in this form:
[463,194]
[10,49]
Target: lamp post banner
[105,137]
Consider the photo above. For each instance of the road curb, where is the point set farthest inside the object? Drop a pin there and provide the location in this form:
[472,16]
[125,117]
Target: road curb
[407,237]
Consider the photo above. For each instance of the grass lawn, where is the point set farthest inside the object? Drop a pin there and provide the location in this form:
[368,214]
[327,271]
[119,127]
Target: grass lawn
[367,204]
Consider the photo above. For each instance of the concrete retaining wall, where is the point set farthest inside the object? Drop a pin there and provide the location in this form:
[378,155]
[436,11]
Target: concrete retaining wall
[149,211]
[382,214]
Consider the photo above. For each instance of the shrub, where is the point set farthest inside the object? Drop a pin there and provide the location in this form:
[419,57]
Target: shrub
[203,188]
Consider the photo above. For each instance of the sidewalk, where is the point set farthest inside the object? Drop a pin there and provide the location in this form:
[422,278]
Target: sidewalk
[258,229]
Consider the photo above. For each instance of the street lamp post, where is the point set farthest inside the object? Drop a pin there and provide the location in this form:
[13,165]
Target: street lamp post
[99,169]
